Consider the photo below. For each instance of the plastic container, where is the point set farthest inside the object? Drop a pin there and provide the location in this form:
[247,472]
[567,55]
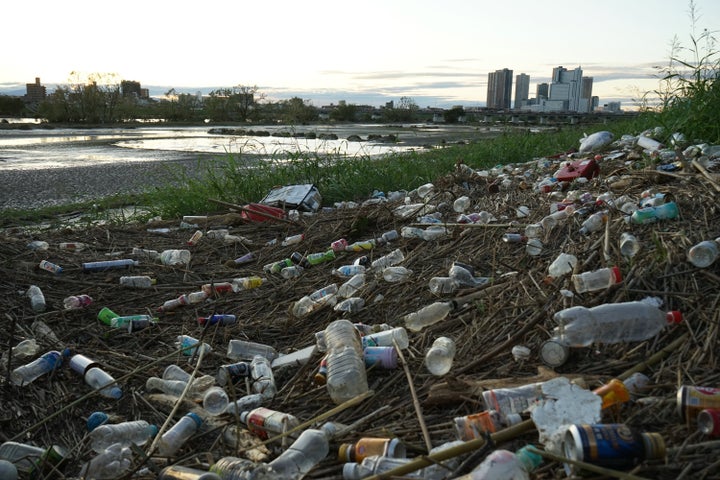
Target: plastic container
[350,305]
[8,471]
[505,465]
[247,402]
[348,270]
[28,373]
[20,352]
[245,350]
[464,275]
[247,283]
[428,315]
[629,245]
[175,258]
[136,432]
[666,211]
[387,338]
[346,376]
[704,254]
[177,472]
[133,323]
[352,286]
[172,440]
[439,358]
[190,345]
[612,323]
[375,465]
[262,376]
[169,387]
[215,400]
[315,301]
[562,265]
[383,357]
[146,254]
[124,263]
[292,272]
[442,285]
[50,267]
[222,319]
[174,303]
[195,238]
[366,447]
[320,257]
[175,372]
[95,377]
[596,280]
[507,401]
[310,448]
[594,223]
[534,247]
[389,260]
[477,425]
[265,422]
[37,299]
[461,204]
[77,301]
[137,281]
[396,274]
[105,315]
[232,373]
[32,460]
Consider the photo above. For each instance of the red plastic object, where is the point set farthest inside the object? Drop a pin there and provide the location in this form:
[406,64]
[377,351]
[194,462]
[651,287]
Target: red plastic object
[257,212]
[588,168]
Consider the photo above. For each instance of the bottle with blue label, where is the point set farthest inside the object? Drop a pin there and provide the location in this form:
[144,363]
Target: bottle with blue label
[30,372]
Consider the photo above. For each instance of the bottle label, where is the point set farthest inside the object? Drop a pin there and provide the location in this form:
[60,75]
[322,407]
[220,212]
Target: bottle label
[256,421]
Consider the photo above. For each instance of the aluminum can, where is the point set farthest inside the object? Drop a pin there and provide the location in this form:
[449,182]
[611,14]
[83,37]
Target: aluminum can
[692,400]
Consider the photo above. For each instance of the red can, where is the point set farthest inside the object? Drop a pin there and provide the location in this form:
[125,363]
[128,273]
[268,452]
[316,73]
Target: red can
[692,400]
[709,422]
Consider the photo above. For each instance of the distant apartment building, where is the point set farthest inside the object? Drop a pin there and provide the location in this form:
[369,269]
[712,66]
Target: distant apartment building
[499,89]
[542,91]
[131,88]
[569,91]
[522,90]
[35,92]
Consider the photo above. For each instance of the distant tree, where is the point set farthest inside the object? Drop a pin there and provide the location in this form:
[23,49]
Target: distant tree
[453,115]
[406,111]
[296,110]
[11,106]
[94,99]
[344,112]
[232,104]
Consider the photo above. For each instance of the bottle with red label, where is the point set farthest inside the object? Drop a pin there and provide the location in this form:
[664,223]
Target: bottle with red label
[265,422]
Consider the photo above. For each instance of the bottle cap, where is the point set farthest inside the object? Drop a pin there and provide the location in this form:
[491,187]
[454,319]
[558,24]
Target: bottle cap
[351,471]
[654,444]
[8,470]
[96,419]
[195,417]
[345,452]
[396,449]
[617,274]
[153,430]
[674,317]
[554,353]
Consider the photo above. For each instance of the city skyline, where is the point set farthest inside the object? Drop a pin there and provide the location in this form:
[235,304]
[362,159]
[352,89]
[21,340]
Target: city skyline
[367,53]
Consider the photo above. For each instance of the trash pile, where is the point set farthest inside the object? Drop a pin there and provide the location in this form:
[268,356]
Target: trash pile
[550,319]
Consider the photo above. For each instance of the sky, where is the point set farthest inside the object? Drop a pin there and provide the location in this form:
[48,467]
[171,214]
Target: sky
[438,53]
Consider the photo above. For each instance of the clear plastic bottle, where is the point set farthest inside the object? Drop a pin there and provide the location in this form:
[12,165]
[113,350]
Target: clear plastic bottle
[244,403]
[265,422]
[387,338]
[315,301]
[175,372]
[246,350]
[352,286]
[292,272]
[612,323]
[441,285]
[428,315]
[704,253]
[190,345]
[346,376]
[629,245]
[215,400]
[533,230]
[396,274]
[310,448]
[551,221]
[439,357]
[77,301]
[653,214]
[171,441]
[174,303]
[564,263]
[222,319]
[508,401]
[534,247]
[37,299]
[348,270]
[375,465]
[506,465]
[596,280]
[95,377]
[389,260]
[594,223]
[136,432]
[145,253]
[464,275]
[262,376]
[137,281]
[461,204]
[177,472]
[28,459]
[350,305]
[20,352]
[113,462]
[28,373]
[175,257]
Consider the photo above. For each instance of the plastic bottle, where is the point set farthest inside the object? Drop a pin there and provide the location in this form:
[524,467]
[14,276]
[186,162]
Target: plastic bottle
[174,303]
[77,301]
[175,257]
[396,274]
[350,305]
[361,246]
[37,299]
[133,323]
[293,239]
[612,323]
[439,357]
[232,373]
[533,230]
[109,265]
[629,245]
[215,400]
[95,377]
[50,267]
[461,204]
[32,460]
[113,462]
[368,446]
[262,376]
[186,341]
[464,275]
[596,280]
[534,247]
[38,245]
[428,315]
[375,465]
[653,214]
[506,465]
[320,257]
[310,448]
[508,401]
[348,270]
[441,285]
[346,376]
[136,432]
[352,286]
[28,373]
[22,351]
[562,265]
[137,281]
[8,471]
[315,301]
[195,238]
[594,223]
[551,221]
[292,272]
[704,253]
[265,422]
[476,425]
[177,472]
[382,357]
[387,338]
[145,253]
[217,289]
[171,441]
[245,350]
[247,283]
[392,258]
[246,402]
[175,372]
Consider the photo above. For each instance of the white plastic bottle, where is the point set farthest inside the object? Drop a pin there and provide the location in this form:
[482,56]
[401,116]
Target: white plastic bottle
[428,315]
[310,448]
[262,376]
[137,281]
[246,350]
[37,299]
[175,437]
[564,263]
[346,376]
[612,323]
[704,253]
[596,280]
[396,274]
[505,465]
[351,287]
[439,358]
[125,433]
[594,223]
[387,338]
[28,373]
[113,462]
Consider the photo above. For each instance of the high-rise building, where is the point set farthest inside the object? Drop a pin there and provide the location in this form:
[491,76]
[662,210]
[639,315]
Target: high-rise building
[542,91]
[570,91]
[35,92]
[499,89]
[522,90]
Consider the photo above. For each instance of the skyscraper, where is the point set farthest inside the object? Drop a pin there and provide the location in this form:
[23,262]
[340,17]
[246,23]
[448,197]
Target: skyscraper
[522,90]
[499,89]
[567,91]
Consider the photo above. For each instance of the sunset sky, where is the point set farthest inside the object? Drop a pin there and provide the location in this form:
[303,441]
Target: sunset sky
[436,52]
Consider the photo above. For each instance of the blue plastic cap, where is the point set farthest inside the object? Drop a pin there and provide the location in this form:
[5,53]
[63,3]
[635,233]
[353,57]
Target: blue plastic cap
[195,417]
[8,471]
[96,419]
[154,430]
[115,392]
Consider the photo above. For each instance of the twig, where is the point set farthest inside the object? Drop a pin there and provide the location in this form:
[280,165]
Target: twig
[416,402]
[706,174]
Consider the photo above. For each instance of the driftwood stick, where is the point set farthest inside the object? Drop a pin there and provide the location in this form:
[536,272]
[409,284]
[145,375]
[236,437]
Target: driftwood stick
[416,402]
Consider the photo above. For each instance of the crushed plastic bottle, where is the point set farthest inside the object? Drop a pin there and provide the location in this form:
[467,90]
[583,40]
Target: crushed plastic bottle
[666,211]
[428,315]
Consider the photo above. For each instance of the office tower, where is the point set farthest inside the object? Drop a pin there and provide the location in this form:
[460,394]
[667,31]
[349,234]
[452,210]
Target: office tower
[522,90]
[542,91]
[499,89]
[566,89]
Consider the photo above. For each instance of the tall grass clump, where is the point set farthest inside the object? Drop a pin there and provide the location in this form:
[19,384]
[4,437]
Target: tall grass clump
[689,93]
